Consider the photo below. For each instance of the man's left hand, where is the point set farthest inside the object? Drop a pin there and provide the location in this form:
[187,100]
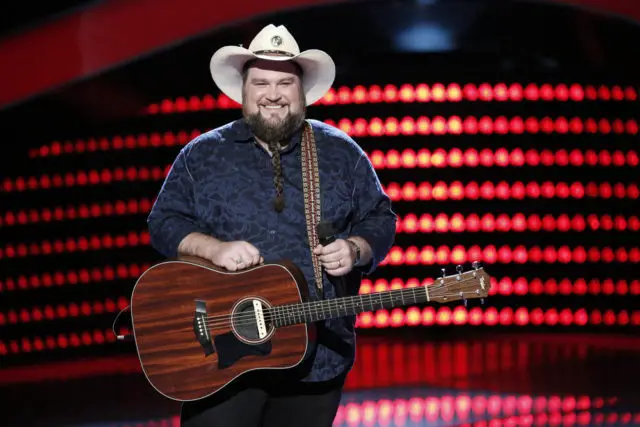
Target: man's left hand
[337,257]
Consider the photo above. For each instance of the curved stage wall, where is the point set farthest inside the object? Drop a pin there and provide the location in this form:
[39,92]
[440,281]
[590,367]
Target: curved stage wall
[522,159]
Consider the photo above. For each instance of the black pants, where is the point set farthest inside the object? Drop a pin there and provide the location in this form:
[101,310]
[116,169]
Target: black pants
[280,404]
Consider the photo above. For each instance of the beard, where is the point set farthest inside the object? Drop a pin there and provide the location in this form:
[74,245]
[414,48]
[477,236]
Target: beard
[274,131]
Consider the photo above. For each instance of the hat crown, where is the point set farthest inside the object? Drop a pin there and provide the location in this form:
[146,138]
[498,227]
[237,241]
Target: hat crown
[272,38]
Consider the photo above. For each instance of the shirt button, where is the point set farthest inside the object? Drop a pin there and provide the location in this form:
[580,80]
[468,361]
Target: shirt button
[272,232]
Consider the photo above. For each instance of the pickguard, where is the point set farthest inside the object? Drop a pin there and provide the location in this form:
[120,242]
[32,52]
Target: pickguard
[230,349]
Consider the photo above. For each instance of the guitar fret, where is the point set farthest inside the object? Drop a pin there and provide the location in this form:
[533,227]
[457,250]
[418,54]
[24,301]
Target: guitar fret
[314,311]
[310,314]
[349,306]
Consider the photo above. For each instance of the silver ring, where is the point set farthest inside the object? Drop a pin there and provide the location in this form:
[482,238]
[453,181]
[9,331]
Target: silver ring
[238,261]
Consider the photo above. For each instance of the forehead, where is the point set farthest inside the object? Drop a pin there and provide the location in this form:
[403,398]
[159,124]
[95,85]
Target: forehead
[272,69]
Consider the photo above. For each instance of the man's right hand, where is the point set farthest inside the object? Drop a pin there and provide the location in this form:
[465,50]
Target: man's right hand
[234,256]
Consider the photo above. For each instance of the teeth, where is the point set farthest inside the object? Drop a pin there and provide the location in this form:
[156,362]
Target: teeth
[273,106]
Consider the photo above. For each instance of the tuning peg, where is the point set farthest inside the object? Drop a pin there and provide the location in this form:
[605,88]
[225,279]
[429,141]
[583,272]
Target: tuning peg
[482,301]
[459,270]
[443,271]
[475,265]
[464,299]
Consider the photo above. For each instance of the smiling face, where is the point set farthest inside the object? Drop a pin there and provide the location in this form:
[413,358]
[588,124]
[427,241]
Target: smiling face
[273,102]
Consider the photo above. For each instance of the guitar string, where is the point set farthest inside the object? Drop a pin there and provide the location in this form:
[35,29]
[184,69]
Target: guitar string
[224,324]
[290,310]
[250,319]
[433,292]
[283,318]
[303,309]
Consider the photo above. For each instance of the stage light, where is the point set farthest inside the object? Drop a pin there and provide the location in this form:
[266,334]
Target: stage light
[494,317]
[521,286]
[491,254]
[501,157]
[378,127]
[434,92]
[61,311]
[503,190]
[46,247]
[61,341]
[443,223]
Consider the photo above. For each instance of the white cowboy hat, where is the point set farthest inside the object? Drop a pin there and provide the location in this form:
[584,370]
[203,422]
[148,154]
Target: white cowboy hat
[274,44]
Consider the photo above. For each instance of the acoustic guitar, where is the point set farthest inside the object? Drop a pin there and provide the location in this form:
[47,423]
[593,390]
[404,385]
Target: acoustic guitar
[197,327]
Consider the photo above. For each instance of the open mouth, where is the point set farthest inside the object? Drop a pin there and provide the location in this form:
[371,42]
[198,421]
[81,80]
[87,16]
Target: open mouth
[273,107]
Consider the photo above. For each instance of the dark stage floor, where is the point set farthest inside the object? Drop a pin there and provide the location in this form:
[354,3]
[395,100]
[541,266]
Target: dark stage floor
[483,380]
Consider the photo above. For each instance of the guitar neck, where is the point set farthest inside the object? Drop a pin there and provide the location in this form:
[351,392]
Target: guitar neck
[347,306]
[461,286]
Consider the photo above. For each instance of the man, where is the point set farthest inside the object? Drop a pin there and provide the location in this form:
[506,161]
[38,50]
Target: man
[235,197]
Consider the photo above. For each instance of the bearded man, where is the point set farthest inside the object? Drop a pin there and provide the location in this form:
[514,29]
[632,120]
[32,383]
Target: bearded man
[235,196]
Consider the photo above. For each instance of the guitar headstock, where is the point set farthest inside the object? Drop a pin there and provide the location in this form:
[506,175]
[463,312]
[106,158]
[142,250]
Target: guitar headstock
[463,285]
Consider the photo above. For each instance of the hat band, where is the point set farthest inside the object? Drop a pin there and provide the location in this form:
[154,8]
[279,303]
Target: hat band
[271,52]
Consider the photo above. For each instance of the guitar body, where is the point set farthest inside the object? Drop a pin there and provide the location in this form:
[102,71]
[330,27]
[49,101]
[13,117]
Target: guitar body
[195,330]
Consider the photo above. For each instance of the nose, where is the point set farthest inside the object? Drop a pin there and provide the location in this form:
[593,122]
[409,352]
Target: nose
[272,94]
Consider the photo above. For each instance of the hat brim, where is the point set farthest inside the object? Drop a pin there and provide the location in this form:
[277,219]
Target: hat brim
[318,71]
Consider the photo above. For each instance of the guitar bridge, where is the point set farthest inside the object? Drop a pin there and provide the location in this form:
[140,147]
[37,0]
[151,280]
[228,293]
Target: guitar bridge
[200,328]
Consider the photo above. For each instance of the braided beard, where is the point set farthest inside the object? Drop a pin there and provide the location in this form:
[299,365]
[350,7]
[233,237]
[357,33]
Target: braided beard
[276,163]
[276,135]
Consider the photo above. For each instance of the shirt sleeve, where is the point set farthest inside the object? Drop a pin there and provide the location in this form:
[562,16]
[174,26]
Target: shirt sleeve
[374,219]
[172,216]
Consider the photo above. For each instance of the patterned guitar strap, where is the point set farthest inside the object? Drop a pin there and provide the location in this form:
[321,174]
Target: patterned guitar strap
[311,188]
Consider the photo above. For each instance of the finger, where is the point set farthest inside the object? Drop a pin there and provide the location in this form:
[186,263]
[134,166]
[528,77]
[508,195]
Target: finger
[251,249]
[252,253]
[246,259]
[254,258]
[230,265]
[337,264]
[241,258]
[239,261]
[333,265]
[331,248]
[334,256]
[328,258]
[339,271]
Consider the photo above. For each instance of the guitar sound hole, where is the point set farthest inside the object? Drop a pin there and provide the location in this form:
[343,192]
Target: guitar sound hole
[245,325]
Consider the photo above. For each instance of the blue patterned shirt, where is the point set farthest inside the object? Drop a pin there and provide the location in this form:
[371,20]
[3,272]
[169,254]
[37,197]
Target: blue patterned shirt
[221,184]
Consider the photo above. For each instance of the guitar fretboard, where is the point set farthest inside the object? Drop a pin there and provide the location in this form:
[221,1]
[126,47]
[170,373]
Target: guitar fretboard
[314,311]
